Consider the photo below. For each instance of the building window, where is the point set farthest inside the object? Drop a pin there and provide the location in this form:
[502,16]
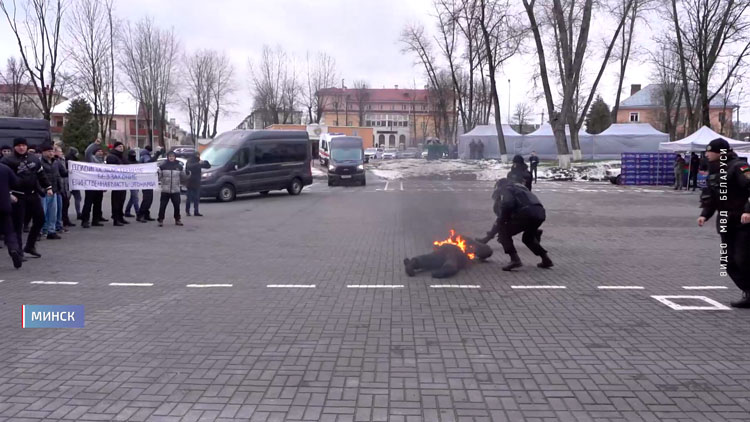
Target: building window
[59,122]
[369,106]
[424,107]
[380,106]
[634,117]
[113,124]
[404,107]
[349,123]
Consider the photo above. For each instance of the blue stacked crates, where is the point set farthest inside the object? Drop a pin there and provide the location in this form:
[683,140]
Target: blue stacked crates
[647,168]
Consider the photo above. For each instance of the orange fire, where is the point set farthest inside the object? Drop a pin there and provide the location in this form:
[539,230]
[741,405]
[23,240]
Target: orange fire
[457,241]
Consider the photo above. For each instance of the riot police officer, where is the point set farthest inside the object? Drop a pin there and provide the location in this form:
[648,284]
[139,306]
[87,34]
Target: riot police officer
[727,191]
[518,211]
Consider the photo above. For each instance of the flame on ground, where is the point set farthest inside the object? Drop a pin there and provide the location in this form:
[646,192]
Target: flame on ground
[455,240]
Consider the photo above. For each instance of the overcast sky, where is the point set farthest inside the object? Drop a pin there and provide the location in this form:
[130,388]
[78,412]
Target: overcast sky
[362,35]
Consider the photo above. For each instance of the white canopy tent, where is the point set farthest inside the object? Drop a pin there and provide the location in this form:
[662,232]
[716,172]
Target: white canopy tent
[487,134]
[543,142]
[627,137]
[699,140]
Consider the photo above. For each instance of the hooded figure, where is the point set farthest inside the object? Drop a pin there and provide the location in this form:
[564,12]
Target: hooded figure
[448,258]
[519,173]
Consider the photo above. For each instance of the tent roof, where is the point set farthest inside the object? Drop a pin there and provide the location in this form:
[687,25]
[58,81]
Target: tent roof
[546,130]
[490,130]
[699,140]
[631,129]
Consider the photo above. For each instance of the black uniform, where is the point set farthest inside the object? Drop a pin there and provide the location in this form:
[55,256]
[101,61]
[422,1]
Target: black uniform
[731,204]
[118,196]
[8,180]
[533,164]
[519,173]
[31,180]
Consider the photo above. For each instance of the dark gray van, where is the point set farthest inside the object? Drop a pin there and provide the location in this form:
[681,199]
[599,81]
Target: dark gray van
[36,131]
[347,160]
[245,161]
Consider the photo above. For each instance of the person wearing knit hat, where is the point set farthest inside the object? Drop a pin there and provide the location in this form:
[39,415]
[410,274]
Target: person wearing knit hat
[116,156]
[727,191]
[93,198]
[5,150]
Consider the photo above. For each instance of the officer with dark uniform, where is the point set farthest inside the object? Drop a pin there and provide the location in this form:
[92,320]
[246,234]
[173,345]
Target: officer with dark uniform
[519,173]
[31,179]
[518,211]
[727,191]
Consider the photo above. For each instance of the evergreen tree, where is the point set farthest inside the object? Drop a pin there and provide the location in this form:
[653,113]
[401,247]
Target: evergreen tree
[599,117]
[80,127]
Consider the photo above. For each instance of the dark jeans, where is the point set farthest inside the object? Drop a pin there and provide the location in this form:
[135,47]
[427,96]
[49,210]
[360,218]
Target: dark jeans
[9,235]
[65,207]
[145,209]
[526,223]
[92,198]
[77,195]
[133,202]
[30,205]
[164,201]
[737,241]
[693,180]
[533,172]
[194,198]
[118,203]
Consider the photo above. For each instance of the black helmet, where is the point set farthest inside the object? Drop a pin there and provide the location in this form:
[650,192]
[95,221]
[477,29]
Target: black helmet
[499,185]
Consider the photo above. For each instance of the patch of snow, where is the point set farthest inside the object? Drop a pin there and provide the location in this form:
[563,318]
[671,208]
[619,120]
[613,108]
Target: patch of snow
[316,172]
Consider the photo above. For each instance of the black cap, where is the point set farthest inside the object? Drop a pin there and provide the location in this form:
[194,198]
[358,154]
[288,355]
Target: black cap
[4,146]
[117,144]
[46,147]
[717,145]
[20,141]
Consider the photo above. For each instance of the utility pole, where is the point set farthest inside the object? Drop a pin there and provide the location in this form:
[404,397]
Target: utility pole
[508,101]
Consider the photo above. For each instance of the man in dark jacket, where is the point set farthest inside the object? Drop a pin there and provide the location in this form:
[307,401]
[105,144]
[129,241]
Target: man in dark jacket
[116,157]
[88,154]
[519,173]
[193,170]
[93,198]
[8,180]
[472,150]
[133,200]
[695,164]
[480,150]
[533,164]
[171,175]
[727,191]
[49,204]
[448,257]
[31,176]
[518,211]
[144,212]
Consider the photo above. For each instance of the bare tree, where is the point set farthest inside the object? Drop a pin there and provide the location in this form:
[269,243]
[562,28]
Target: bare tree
[91,47]
[669,95]
[148,59]
[224,88]
[268,78]
[320,74]
[15,79]
[522,115]
[361,96]
[734,86]
[502,34]
[625,42]
[291,90]
[208,84]
[38,37]
[705,31]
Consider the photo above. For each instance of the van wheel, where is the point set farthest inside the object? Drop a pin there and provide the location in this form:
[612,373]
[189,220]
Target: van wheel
[295,188]
[227,193]
[264,192]
[330,182]
[618,179]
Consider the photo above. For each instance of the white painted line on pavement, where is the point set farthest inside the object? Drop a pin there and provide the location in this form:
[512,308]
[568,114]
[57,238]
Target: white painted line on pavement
[131,284]
[620,287]
[402,185]
[375,286]
[1,281]
[208,285]
[455,286]
[65,283]
[386,186]
[538,287]
[291,286]
[705,287]
[715,306]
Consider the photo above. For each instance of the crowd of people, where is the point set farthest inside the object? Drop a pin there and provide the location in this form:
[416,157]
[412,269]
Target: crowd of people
[35,195]
[695,165]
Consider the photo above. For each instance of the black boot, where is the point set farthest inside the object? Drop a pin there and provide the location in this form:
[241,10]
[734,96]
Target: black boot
[515,262]
[743,303]
[32,252]
[17,258]
[409,267]
[546,262]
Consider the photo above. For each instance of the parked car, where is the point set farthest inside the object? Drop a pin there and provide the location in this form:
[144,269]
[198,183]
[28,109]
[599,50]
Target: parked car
[245,161]
[374,153]
[613,174]
[409,153]
[184,152]
[390,154]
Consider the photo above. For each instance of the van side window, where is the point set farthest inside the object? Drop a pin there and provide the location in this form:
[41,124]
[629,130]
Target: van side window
[241,158]
[281,152]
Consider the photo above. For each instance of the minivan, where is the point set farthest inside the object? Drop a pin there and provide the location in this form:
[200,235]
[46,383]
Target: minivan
[35,131]
[346,162]
[245,161]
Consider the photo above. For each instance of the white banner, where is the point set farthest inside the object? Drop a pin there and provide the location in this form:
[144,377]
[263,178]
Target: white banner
[91,176]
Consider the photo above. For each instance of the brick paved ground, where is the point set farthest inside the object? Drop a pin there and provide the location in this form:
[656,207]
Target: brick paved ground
[332,353]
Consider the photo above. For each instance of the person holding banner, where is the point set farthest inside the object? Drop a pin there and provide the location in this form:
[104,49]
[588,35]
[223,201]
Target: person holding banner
[116,157]
[31,176]
[144,212]
[133,201]
[171,175]
[93,198]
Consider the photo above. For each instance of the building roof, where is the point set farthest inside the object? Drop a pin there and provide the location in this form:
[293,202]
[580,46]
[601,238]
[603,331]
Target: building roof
[125,105]
[390,95]
[649,97]
[27,89]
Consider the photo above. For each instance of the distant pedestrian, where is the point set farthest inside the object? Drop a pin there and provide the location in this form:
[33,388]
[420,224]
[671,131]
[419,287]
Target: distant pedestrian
[171,175]
[695,164]
[472,150]
[533,164]
[679,169]
[133,201]
[193,171]
[480,150]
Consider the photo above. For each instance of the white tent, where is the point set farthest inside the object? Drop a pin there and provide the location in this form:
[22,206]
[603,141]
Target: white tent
[699,140]
[543,142]
[627,137]
[487,134]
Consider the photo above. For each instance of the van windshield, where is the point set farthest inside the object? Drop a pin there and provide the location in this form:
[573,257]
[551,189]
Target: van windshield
[346,154]
[218,155]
